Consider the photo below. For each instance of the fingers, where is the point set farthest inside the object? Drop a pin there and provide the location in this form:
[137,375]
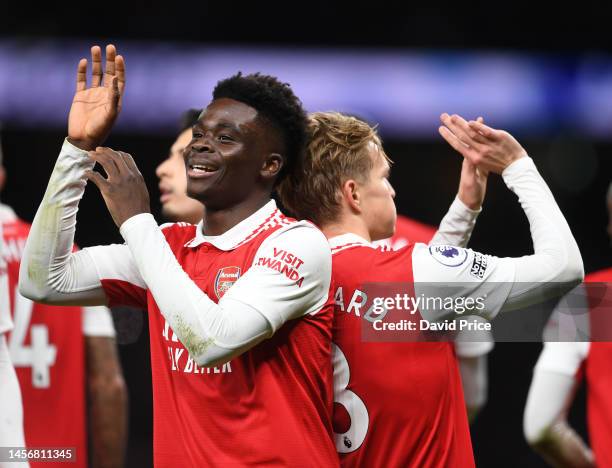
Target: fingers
[109,69]
[110,161]
[129,162]
[97,179]
[462,130]
[81,81]
[115,95]
[96,66]
[452,140]
[120,73]
[484,130]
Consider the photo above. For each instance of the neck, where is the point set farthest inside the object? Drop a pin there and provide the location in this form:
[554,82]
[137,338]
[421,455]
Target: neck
[346,226]
[218,221]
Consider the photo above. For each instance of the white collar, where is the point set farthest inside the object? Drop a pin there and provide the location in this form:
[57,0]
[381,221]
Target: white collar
[346,240]
[245,230]
[7,215]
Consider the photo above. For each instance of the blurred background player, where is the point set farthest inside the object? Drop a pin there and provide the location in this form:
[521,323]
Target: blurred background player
[11,408]
[396,404]
[561,367]
[176,205]
[66,360]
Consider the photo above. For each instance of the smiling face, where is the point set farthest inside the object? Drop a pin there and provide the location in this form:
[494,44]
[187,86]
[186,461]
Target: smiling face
[233,154]
[176,205]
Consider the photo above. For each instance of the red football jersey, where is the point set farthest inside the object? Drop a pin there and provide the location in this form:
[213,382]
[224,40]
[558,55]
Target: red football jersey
[271,406]
[599,376]
[396,403]
[408,230]
[47,349]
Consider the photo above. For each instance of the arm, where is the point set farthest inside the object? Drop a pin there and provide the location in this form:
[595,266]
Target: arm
[545,420]
[107,394]
[474,378]
[259,303]
[507,283]
[472,348]
[50,272]
[457,225]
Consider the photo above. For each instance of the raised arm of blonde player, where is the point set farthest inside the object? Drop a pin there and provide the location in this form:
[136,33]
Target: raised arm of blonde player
[472,347]
[505,283]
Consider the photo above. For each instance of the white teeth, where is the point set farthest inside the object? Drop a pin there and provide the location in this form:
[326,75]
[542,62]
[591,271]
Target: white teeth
[199,168]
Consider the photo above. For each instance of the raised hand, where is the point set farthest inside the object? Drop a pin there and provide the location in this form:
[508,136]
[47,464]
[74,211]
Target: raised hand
[486,148]
[124,190]
[473,183]
[95,109]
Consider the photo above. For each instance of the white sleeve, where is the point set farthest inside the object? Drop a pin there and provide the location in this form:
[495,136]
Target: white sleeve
[474,380]
[563,357]
[50,271]
[290,276]
[549,398]
[457,225]
[250,311]
[506,283]
[98,321]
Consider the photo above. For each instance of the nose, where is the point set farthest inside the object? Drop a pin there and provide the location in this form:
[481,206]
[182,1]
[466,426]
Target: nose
[162,169]
[201,146]
[391,190]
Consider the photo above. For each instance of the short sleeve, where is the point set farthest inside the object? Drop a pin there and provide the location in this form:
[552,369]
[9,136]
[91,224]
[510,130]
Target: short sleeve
[98,321]
[563,357]
[119,275]
[448,274]
[290,276]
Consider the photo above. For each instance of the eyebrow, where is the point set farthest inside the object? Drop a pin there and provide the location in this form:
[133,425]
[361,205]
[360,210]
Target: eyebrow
[219,125]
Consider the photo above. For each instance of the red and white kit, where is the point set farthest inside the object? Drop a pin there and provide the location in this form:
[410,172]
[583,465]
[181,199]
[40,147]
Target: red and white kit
[401,403]
[252,306]
[47,347]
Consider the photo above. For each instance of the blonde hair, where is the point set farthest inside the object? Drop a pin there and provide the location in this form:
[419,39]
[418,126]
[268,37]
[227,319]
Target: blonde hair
[337,151]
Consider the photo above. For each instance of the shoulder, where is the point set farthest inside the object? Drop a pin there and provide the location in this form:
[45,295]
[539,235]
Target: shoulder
[178,233]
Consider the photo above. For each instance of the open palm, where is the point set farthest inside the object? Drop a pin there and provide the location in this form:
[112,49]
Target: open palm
[95,109]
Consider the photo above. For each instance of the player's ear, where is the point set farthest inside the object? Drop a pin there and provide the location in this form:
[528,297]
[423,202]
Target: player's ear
[352,195]
[272,165]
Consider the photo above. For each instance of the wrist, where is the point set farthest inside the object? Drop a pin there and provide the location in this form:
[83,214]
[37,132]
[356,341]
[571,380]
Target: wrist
[469,202]
[85,145]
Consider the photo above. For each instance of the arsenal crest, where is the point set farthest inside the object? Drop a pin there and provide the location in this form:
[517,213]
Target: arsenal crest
[225,278]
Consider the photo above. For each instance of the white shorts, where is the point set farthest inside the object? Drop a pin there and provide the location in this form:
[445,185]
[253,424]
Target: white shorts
[11,408]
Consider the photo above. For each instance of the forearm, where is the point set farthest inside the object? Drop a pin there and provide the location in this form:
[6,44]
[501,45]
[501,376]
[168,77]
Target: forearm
[556,263]
[50,271]
[562,447]
[210,332]
[457,225]
[107,398]
[474,380]
[544,424]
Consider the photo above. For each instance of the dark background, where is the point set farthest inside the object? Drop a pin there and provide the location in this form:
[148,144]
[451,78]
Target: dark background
[425,175]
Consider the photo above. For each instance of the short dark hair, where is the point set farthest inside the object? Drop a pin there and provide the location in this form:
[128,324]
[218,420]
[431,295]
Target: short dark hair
[189,119]
[276,102]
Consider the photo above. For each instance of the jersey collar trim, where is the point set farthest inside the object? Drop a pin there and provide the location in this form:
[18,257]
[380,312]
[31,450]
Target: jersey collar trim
[347,240]
[264,218]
